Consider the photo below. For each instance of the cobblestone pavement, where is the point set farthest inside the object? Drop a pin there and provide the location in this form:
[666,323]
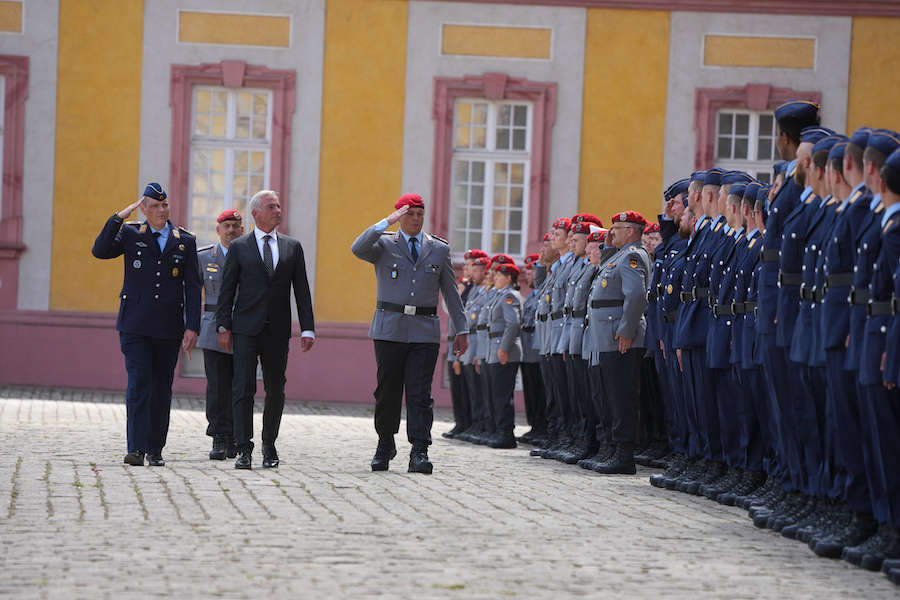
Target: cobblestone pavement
[77,523]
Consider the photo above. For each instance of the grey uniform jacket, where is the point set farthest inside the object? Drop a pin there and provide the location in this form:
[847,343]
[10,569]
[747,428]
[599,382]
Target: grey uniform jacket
[558,302]
[473,307]
[406,282]
[622,278]
[542,310]
[529,307]
[212,264]
[565,340]
[505,324]
[484,319]
[581,289]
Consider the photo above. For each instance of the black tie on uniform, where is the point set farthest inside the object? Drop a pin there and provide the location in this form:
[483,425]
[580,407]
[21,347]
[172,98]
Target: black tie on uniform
[413,250]
[267,255]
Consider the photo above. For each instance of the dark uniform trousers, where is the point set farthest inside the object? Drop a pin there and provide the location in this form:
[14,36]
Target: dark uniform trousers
[503,385]
[533,392]
[601,408]
[472,386]
[485,389]
[219,376]
[554,414]
[150,363]
[622,387]
[408,366]
[272,352]
[459,396]
[653,411]
[560,386]
[579,395]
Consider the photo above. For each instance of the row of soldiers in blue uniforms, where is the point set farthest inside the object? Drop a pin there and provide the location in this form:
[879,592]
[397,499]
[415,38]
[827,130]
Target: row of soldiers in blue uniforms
[770,315]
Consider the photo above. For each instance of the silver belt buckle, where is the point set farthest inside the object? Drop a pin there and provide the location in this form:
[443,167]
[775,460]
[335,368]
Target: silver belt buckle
[408,309]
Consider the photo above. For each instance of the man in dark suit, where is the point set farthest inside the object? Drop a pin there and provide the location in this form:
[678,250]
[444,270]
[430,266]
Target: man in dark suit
[159,311]
[254,314]
[411,268]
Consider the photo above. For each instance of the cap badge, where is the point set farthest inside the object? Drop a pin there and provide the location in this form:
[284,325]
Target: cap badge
[622,216]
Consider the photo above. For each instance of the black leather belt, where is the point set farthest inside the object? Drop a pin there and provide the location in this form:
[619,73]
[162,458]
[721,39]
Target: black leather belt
[481,327]
[880,309]
[660,289]
[792,279]
[807,293]
[472,330]
[723,310]
[670,317]
[606,303]
[528,329]
[579,314]
[652,296]
[700,293]
[749,307]
[408,309]
[541,317]
[839,279]
[495,334]
[686,297]
[818,294]
[556,315]
[738,308]
[567,311]
[858,297]
[771,255]
[209,307]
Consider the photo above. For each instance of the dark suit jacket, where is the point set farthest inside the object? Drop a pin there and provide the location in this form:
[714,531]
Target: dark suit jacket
[249,296]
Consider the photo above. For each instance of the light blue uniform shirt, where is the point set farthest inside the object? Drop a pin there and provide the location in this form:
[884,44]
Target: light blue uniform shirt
[890,211]
[163,236]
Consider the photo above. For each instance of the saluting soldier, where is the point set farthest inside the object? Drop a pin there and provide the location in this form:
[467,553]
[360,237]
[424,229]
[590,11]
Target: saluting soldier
[159,312]
[217,361]
[617,303]
[411,268]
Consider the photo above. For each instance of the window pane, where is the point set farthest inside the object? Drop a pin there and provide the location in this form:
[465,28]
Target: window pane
[459,216]
[458,239]
[200,159]
[198,205]
[514,243]
[218,160]
[517,173]
[201,127]
[767,125]
[462,137]
[242,128]
[201,100]
[478,171]
[502,139]
[764,150]
[220,102]
[239,186]
[503,115]
[256,183]
[259,129]
[501,172]
[461,171]
[499,220]
[261,104]
[515,197]
[497,243]
[199,183]
[218,183]
[244,99]
[741,124]
[740,148]
[521,116]
[476,195]
[460,195]
[499,196]
[475,217]
[723,149]
[218,126]
[241,159]
[764,176]
[515,220]
[479,137]
[479,114]
[463,113]
[475,240]
[518,139]
[724,123]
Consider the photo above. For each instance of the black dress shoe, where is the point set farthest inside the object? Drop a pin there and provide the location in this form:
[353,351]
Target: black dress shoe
[270,457]
[419,463]
[501,441]
[155,460]
[218,448]
[244,460]
[231,449]
[385,451]
[135,459]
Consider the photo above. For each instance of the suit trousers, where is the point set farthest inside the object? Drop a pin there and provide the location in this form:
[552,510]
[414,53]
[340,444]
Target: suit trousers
[150,363]
[881,421]
[272,352]
[533,393]
[459,397]
[847,431]
[410,367]
[503,386]
[219,375]
[622,387]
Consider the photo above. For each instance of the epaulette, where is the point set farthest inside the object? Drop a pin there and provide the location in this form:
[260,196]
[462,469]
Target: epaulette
[133,223]
[440,239]
[204,248]
[190,233]
[791,174]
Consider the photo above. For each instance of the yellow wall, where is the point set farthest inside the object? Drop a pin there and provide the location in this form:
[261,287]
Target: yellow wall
[10,16]
[771,52]
[362,146]
[98,115]
[241,30]
[874,78]
[624,112]
[507,42]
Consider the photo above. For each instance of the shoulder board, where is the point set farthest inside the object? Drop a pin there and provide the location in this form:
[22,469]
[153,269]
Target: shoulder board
[205,248]
[830,202]
[183,230]
[855,196]
[791,174]
[879,209]
[440,239]
[718,227]
[388,232]
[133,223]
[752,242]
[889,225]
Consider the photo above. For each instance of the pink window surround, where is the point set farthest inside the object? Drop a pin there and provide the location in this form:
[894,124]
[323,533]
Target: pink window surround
[230,74]
[15,70]
[753,96]
[494,86]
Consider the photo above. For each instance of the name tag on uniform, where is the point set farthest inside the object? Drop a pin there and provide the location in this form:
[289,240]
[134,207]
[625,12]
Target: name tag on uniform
[212,268]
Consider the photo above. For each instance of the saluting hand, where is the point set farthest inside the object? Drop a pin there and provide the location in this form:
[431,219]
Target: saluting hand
[395,216]
[128,209]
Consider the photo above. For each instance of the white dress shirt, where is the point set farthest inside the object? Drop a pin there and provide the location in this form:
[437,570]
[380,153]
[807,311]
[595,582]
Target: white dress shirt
[273,244]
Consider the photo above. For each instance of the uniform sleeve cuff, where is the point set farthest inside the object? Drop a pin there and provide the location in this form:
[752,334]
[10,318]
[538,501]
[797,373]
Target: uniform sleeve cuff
[380,226]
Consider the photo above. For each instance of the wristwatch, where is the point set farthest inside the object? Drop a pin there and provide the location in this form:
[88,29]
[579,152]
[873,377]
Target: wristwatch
[221,329]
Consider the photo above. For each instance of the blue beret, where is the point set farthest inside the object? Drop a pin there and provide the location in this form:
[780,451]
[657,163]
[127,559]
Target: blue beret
[713,177]
[155,191]
[837,151]
[732,177]
[780,167]
[814,133]
[737,189]
[802,110]
[884,140]
[860,137]
[698,175]
[893,161]
[679,187]
[827,143]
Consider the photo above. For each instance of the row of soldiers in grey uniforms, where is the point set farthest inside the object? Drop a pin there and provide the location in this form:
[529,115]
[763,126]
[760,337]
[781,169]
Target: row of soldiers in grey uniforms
[582,333]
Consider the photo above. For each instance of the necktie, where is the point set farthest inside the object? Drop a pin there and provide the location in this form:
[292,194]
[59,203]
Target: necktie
[413,250]
[157,235]
[267,255]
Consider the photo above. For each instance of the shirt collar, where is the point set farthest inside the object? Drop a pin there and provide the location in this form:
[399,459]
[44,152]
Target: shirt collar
[825,201]
[260,233]
[223,249]
[890,211]
[752,233]
[406,237]
[163,231]
[700,222]
[806,192]
[876,200]
[739,231]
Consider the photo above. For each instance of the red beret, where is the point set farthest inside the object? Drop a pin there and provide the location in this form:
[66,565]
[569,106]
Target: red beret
[587,217]
[484,261]
[597,236]
[508,268]
[546,237]
[563,223]
[232,214]
[532,258]
[629,216]
[502,258]
[411,200]
[652,228]
[474,253]
[582,227]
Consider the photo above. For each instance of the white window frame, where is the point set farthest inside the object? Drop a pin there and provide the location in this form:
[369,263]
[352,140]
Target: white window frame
[757,168]
[229,144]
[490,156]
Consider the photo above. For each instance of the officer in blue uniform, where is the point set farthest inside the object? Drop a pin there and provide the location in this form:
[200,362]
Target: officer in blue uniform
[159,313]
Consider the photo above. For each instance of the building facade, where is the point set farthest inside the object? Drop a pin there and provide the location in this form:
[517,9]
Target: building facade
[503,116]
